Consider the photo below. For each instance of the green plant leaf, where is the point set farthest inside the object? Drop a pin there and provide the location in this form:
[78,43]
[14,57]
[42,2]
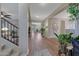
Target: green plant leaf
[73,10]
[64,38]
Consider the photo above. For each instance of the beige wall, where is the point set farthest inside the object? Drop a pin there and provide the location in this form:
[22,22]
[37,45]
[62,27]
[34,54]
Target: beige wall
[55,25]
[62,26]
[59,25]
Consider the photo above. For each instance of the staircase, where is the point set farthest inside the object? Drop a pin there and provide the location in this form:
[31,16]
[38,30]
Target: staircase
[9,32]
[4,51]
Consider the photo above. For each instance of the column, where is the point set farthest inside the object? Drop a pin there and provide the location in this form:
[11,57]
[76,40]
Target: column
[23,28]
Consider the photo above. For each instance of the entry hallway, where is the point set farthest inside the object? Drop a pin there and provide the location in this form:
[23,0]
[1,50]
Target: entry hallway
[38,46]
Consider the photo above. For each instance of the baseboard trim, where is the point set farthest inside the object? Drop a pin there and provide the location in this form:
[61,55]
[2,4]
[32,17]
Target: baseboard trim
[28,52]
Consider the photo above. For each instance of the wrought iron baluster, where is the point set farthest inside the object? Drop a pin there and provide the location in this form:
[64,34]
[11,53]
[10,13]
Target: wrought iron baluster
[9,31]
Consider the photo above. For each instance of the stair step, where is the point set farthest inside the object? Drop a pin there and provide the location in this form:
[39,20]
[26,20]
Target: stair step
[16,51]
[15,54]
[2,46]
[6,52]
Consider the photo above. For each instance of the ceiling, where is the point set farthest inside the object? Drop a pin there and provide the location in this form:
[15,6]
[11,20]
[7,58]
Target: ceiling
[10,8]
[39,11]
[62,14]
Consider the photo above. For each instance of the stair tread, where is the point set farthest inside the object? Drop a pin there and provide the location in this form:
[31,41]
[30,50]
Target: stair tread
[1,46]
[15,54]
[16,51]
[6,52]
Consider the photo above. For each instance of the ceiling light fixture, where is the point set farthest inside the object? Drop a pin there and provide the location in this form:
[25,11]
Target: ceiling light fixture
[43,4]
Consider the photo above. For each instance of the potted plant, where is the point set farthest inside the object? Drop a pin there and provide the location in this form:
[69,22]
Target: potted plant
[65,40]
[42,31]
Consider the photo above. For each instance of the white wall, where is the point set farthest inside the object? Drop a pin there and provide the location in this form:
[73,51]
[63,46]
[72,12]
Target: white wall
[11,9]
[77,27]
[3,41]
[23,28]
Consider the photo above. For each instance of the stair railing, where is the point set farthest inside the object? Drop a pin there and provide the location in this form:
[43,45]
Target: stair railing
[9,31]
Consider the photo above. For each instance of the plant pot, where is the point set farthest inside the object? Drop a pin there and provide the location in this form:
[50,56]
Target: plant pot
[63,48]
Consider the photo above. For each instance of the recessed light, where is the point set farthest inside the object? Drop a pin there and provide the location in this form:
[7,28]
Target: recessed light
[37,16]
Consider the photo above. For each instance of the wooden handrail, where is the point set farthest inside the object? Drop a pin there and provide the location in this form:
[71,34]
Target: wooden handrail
[9,22]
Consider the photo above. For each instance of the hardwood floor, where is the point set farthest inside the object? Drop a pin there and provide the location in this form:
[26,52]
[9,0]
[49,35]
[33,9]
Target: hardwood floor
[37,43]
[52,45]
